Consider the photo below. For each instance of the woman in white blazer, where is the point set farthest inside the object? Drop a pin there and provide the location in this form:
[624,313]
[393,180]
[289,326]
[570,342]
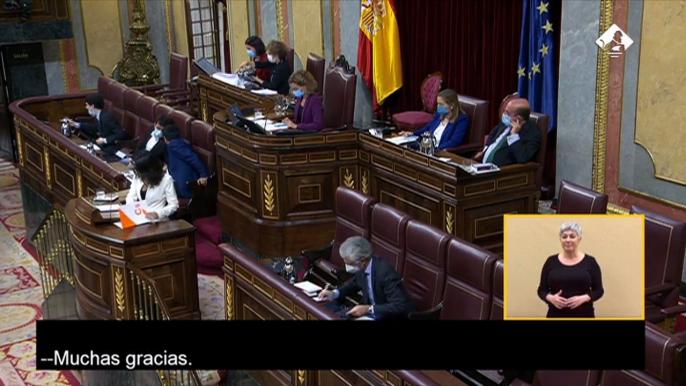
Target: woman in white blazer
[153,185]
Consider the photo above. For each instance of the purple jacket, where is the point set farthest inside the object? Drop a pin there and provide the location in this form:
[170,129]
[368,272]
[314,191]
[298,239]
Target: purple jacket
[312,113]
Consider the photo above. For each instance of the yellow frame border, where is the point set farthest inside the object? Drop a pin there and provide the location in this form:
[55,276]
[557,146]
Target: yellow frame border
[505,253]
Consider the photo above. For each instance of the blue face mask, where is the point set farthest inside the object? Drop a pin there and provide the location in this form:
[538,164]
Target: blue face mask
[298,93]
[158,133]
[252,54]
[443,110]
[506,120]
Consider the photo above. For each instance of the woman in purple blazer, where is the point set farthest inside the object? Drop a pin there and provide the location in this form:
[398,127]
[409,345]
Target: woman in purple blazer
[309,108]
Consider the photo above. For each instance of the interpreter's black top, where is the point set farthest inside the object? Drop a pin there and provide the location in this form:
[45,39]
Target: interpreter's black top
[583,278]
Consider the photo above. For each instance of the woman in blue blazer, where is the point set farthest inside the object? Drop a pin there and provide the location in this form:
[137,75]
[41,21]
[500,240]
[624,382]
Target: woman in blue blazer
[450,124]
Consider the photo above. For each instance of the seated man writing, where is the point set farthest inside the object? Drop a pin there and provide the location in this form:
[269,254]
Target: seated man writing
[383,294]
[515,140]
[109,131]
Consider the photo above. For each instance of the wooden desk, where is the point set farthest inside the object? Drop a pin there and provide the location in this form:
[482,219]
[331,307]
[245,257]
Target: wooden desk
[277,194]
[54,165]
[216,96]
[253,292]
[103,255]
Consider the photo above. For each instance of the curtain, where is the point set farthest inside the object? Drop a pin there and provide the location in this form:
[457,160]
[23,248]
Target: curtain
[474,43]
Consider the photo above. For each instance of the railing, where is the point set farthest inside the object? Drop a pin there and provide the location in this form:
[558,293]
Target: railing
[149,305]
[54,250]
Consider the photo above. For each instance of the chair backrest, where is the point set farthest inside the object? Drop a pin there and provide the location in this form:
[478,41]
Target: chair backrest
[665,246]
[316,65]
[431,85]
[504,102]
[388,235]
[497,308]
[353,210]
[477,111]
[115,94]
[183,121]
[432,314]
[145,109]
[178,71]
[469,282]
[567,378]
[542,121]
[424,271]
[339,94]
[131,118]
[202,141]
[290,57]
[103,87]
[204,200]
[575,199]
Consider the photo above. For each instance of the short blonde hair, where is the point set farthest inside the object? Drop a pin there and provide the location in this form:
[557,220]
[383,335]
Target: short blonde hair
[277,48]
[304,78]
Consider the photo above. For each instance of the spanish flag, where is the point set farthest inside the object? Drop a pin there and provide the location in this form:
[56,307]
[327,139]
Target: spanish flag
[379,54]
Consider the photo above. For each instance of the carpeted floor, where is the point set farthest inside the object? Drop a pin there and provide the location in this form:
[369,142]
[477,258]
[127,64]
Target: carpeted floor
[21,297]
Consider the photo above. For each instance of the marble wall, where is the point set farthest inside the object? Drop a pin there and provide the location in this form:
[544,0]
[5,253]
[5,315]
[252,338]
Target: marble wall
[327,28]
[100,31]
[577,88]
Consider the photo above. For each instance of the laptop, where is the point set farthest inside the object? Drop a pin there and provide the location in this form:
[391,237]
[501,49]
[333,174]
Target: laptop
[206,66]
[250,125]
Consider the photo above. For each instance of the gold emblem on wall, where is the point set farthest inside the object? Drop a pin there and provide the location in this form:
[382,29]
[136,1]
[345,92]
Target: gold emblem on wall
[365,181]
[48,177]
[79,182]
[138,66]
[229,299]
[302,380]
[349,180]
[119,290]
[269,205]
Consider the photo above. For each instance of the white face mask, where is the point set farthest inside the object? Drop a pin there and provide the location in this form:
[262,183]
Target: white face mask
[352,268]
[92,113]
[271,58]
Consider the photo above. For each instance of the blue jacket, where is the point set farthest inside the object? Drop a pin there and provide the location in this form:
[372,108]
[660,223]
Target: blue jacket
[454,133]
[184,165]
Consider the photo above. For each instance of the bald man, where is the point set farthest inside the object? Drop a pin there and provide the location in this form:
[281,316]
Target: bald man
[515,140]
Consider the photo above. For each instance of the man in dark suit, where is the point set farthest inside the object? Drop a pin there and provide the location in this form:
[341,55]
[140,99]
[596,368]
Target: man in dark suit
[183,164]
[109,131]
[515,140]
[383,293]
[154,138]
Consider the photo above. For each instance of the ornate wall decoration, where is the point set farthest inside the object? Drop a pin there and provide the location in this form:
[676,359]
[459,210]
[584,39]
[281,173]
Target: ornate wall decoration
[138,66]
[119,290]
[602,88]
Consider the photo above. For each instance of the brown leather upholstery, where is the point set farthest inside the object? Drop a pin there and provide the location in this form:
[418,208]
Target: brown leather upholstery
[353,211]
[339,95]
[316,65]
[115,94]
[183,122]
[413,120]
[162,109]
[567,378]
[178,71]
[388,235]
[290,56]
[665,245]
[103,87]
[424,272]
[575,199]
[202,141]
[542,121]
[131,117]
[145,109]
[497,308]
[477,110]
[469,283]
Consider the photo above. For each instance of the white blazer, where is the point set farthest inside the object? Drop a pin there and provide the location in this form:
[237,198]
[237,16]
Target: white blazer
[160,199]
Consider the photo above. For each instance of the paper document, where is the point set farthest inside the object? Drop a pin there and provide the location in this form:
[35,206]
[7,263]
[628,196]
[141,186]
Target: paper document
[402,140]
[231,79]
[133,214]
[121,154]
[308,287]
[107,208]
[264,92]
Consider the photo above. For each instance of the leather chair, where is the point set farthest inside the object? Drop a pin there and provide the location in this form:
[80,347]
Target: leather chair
[469,283]
[316,65]
[665,246]
[432,314]
[413,120]
[176,92]
[183,122]
[477,110]
[202,140]
[103,87]
[353,212]
[290,56]
[115,95]
[567,378]
[339,95]
[424,272]
[575,199]
[497,308]
[388,235]
[542,121]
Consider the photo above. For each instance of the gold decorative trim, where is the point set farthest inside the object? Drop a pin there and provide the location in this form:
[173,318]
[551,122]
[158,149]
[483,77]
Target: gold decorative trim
[119,290]
[616,209]
[205,114]
[301,378]
[269,194]
[65,75]
[348,180]
[652,159]
[651,197]
[48,175]
[20,146]
[168,21]
[79,182]
[229,299]
[602,89]
[365,182]
[279,18]
[449,220]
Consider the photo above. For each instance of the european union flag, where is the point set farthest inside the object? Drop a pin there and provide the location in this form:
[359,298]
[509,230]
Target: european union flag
[537,72]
